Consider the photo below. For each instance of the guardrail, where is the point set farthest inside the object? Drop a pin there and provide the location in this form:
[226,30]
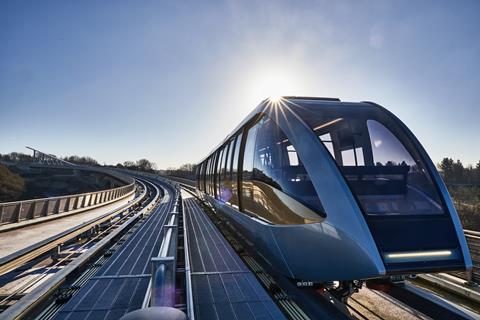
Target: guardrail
[14,212]
[188,182]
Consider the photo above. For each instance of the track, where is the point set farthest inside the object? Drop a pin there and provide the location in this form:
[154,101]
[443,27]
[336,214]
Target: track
[373,304]
[25,273]
[473,242]
[26,255]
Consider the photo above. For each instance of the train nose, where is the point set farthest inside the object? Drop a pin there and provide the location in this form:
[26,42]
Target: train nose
[321,252]
[417,244]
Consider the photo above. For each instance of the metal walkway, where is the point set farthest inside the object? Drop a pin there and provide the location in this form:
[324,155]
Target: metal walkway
[223,287]
[121,284]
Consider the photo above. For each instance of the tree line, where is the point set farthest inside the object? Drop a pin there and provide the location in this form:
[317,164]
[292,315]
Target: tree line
[12,185]
[185,171]
[23,157]
[141,165]
[454,172]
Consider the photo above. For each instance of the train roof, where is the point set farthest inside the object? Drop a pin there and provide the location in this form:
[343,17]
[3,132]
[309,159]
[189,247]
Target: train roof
[262,104]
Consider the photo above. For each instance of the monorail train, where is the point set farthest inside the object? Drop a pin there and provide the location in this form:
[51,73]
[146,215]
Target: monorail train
[334,191]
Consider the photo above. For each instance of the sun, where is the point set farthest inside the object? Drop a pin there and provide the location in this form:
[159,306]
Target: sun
[273,84]
[275,99]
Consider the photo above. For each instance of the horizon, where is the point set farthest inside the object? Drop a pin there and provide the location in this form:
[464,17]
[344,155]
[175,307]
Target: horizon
[437,163]
[167,81]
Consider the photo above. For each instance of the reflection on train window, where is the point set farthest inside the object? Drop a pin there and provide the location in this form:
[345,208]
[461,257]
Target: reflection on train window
[207,175]
[224,192]
[218,172]
[278,190]
[234,199]
[378,160]
[292,156]
[327,141]
[247,172]
[353,157]
[226,187]
[348,157]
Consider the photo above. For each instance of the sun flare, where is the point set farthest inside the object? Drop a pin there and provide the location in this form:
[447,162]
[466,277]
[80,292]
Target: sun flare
[273,85]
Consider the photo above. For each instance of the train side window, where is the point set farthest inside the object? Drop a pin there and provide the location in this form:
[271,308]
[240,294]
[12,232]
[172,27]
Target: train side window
[248,204]
[226,187]
[229,160]
[210,176]
[207,172]
[218,179]
[234,172]
[281,189]
[224,161]
[197,176]
[203,176]
[215,175]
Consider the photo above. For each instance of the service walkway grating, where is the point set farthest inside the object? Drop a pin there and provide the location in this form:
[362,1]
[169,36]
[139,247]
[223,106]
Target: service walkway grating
[120,285]
[222,286]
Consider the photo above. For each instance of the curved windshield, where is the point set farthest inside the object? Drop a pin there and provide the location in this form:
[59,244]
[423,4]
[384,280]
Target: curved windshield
[275,184]
[380,164]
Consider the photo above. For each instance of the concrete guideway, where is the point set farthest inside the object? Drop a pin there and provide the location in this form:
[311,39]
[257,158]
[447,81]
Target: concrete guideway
[101,239]
[17,239]
[18,214]
[121,284]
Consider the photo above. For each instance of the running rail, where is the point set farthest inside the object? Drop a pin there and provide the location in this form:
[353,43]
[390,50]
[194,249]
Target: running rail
[473,242]
[164,265]
[161,289]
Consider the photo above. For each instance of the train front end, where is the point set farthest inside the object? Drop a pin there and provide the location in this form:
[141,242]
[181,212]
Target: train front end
[393,183]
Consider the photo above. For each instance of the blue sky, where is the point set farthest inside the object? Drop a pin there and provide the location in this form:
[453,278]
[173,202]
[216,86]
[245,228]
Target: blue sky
[167,80]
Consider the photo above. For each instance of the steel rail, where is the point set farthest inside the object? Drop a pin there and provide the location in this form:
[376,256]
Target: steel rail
[164,264]
[42,292]
[188,275]
[427,302]
[25,255]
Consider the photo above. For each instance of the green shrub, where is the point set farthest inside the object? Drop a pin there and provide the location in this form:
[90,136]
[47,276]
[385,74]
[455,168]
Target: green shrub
[11,185]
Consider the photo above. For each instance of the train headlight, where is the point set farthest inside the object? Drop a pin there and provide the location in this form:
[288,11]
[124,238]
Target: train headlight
[419,255]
